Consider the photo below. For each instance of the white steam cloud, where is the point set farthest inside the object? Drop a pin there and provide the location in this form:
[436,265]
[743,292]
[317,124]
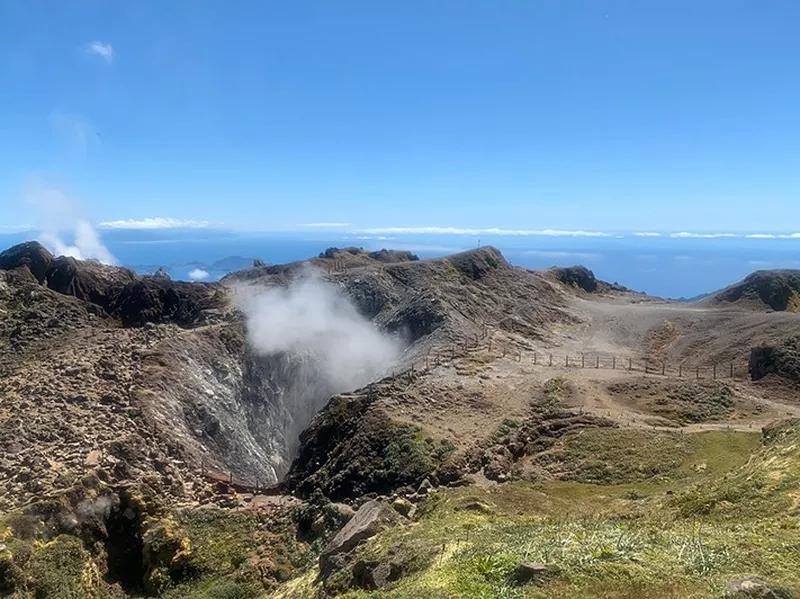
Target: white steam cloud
[63,229]
[311,317]
[198,274]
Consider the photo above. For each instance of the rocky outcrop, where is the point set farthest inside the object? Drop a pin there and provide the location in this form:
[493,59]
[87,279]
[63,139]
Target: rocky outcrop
[777,290]
[782,359]
[160,300]
[116,291]
[369,520]
[31,256]
[351,449]
[579,277]
[89,281]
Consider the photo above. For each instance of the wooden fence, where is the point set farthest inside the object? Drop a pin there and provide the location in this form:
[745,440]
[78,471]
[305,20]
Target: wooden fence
[648,365]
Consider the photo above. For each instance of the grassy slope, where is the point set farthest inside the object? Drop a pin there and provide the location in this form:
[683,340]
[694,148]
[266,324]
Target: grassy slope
[673,516]
[663,536]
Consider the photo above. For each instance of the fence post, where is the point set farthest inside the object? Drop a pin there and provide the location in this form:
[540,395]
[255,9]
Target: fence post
[731,369]
[714,370]
[663,368]
[698,372]
[597,363]
[630,363]
[583,361]
[680,370]
[519,356]
[613,362]
[534,358]
[551,360]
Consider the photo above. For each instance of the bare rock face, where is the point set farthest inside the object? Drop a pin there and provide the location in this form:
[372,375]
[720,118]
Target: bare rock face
[31,255]
[370,519]
[158,299]
[89,281]
[577,276]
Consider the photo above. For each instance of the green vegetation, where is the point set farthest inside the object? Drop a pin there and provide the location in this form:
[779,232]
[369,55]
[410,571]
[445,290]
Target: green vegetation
[632,536]
[554,392]
[636,513]
[614,456]
[767,486]
[617,456]
[679,403]
[694,402]
[505,428]
[408,455]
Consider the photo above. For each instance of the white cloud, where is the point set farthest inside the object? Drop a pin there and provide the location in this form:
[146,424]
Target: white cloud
[198,274]
[101,49]
[155,223]
[59,215]
[685,235]
[475,232]
[647,234]
[324,225]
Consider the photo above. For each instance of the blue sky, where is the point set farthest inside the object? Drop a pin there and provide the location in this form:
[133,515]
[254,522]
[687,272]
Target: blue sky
[591,115]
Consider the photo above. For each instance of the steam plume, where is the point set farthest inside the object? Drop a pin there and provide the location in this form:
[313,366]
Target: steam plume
[60,215]
[311,317]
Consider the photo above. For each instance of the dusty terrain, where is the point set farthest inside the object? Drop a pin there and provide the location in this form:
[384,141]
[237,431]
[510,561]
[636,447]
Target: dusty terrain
[146,392]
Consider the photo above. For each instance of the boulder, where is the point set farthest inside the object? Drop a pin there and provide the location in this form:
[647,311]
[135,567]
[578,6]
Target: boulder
[369,520]
[339,513]
[756,588]
[529,572]
[403,507]
[376,575]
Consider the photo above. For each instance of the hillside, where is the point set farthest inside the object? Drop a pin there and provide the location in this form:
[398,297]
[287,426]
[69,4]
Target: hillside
[777,290]
[249,438]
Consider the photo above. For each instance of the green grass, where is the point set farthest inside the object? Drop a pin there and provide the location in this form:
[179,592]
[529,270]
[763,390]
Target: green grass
[625,538]
[617,456]
[693,402]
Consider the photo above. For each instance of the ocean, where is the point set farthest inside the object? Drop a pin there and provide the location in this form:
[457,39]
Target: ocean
[662,266]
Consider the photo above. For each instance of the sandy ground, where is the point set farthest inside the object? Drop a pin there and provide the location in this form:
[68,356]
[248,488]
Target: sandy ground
[467,397]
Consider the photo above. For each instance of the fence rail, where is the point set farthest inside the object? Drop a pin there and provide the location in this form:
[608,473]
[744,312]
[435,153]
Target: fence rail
[649,365]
